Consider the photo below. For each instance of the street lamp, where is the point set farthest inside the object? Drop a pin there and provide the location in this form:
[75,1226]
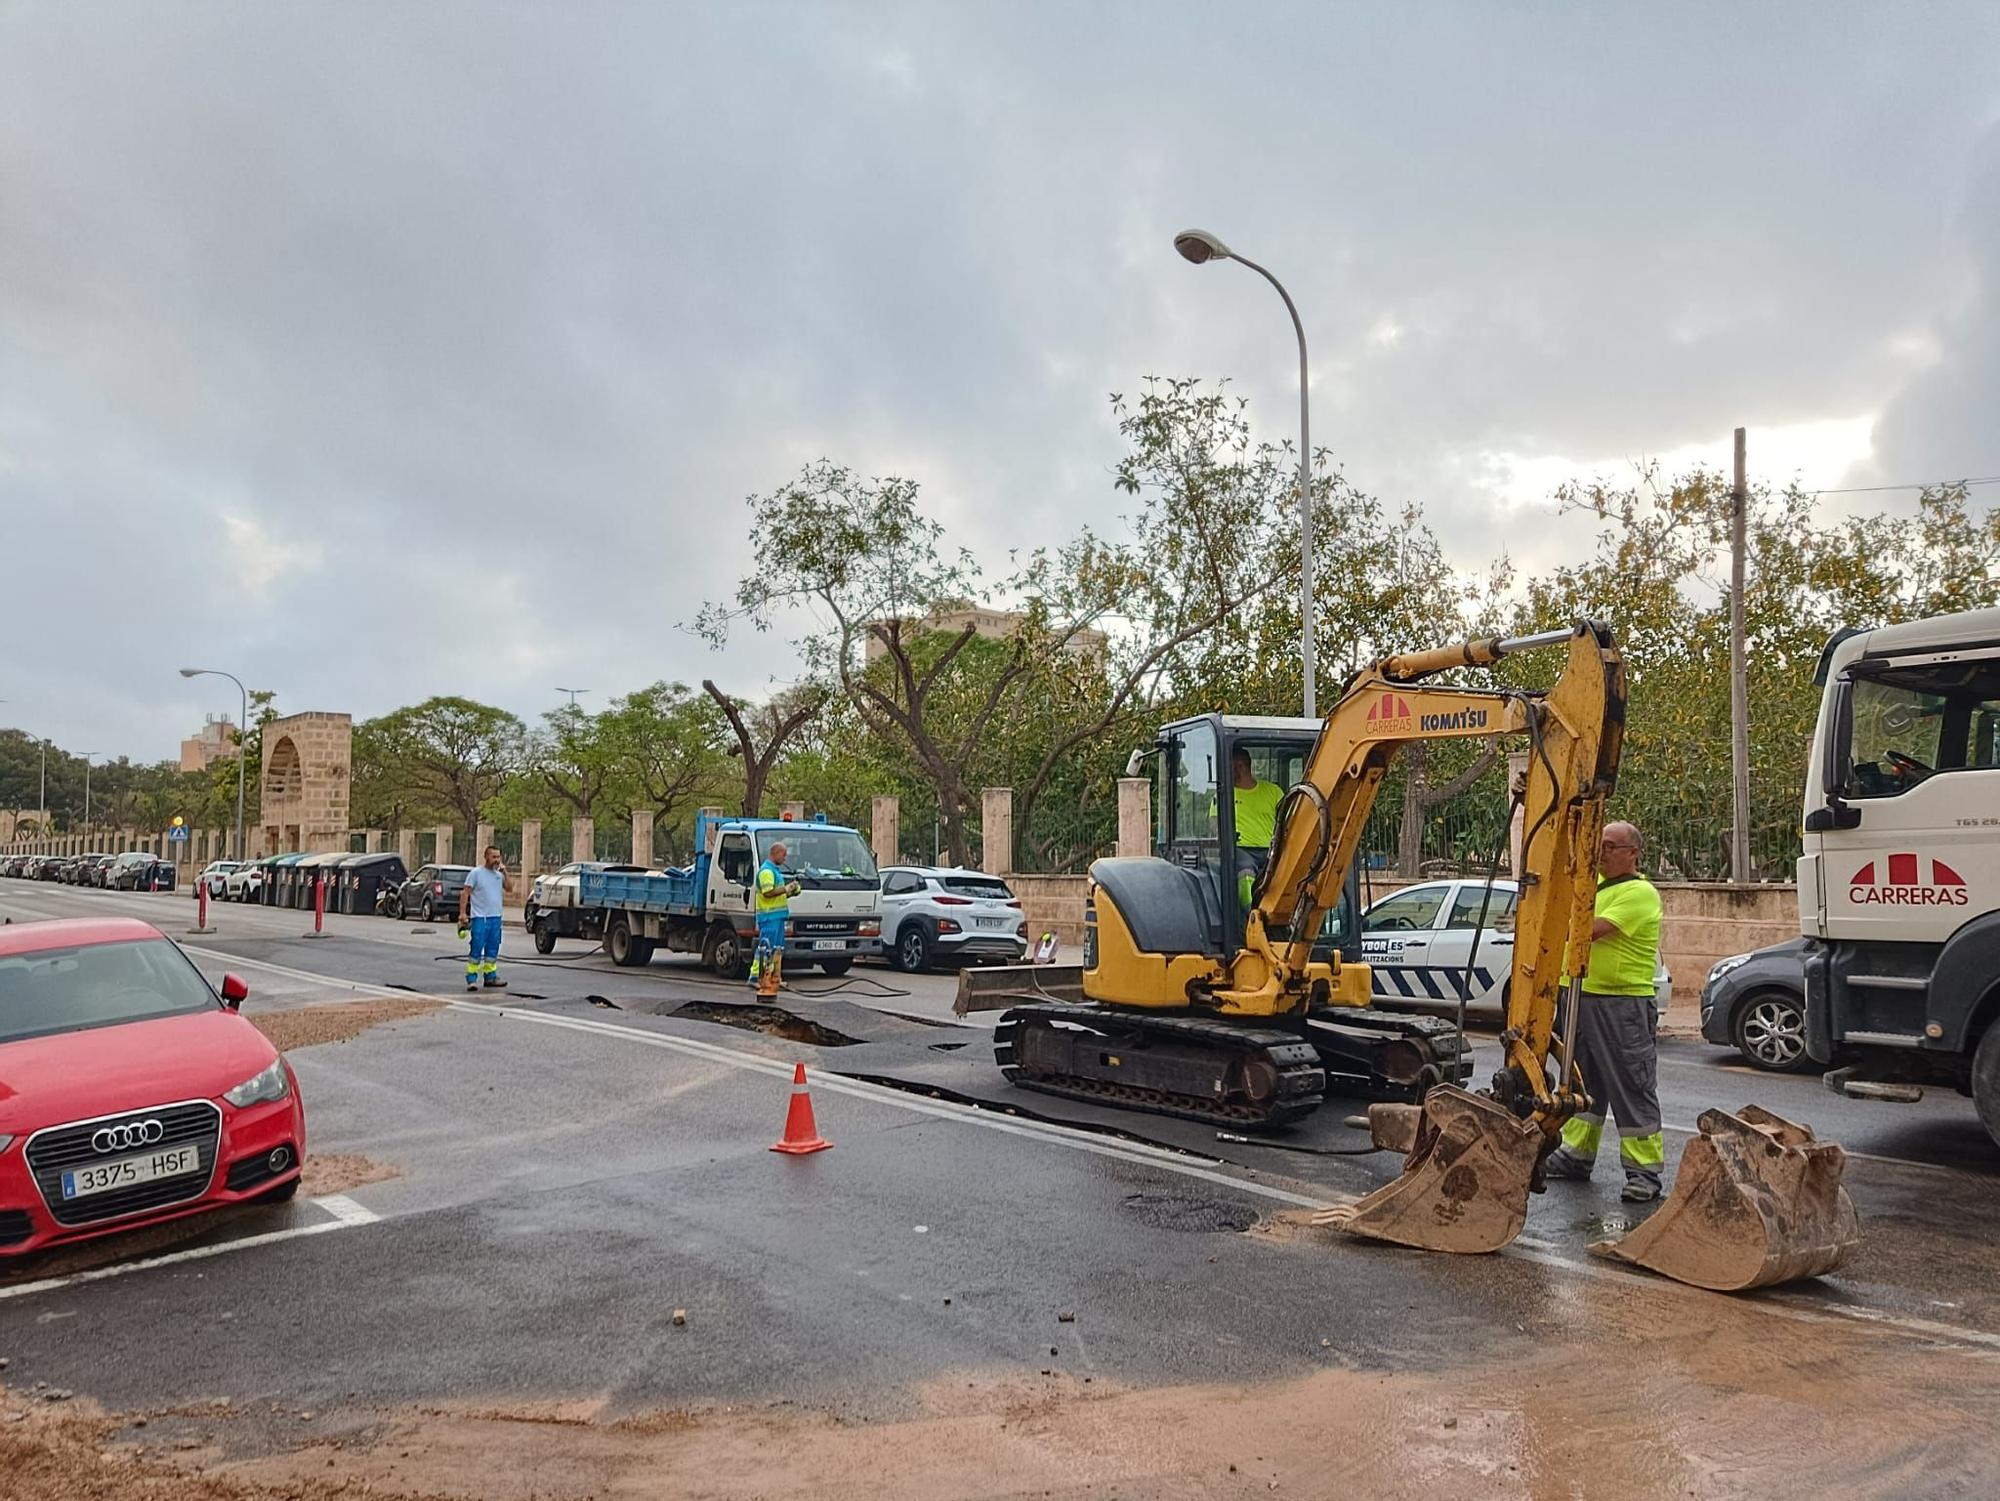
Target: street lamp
[572,692]
[242,748]
[1200,247]
[86,793]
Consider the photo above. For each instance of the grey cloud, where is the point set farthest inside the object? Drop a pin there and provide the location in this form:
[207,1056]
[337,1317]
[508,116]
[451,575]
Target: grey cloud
[505,308]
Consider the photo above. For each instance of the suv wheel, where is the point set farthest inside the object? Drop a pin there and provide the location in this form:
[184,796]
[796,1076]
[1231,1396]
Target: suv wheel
[913,948]
[428,912]
[1770,1032]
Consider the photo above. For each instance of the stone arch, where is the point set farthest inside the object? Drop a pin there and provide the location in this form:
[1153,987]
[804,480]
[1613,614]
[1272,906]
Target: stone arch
[283,774]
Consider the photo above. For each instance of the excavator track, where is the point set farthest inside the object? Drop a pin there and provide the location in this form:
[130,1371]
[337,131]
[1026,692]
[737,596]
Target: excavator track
[1186,1066]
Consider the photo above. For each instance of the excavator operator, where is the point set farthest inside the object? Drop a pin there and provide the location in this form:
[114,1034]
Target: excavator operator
[1256,814]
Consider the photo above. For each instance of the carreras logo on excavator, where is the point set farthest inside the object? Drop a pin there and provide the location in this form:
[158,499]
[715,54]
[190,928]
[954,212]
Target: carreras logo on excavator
[1904,885]
[1390,715]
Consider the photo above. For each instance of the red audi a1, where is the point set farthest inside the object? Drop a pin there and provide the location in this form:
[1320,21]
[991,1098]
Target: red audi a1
[130,1092]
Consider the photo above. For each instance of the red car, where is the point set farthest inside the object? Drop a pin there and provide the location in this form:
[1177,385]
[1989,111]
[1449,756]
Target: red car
[130,1093]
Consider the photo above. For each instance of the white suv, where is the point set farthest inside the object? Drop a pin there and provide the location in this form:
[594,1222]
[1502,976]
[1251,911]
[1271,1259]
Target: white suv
[931,913]
[212,877]
[245,883]
[1419,940]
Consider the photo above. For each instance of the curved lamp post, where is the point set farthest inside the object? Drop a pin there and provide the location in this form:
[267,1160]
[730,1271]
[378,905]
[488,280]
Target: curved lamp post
[1200,247]
[242,745]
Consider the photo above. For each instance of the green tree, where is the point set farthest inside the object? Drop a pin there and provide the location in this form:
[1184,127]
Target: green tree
[440,759]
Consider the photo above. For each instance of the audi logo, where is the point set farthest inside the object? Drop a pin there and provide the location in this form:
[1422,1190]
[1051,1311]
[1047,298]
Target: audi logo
[123,1138]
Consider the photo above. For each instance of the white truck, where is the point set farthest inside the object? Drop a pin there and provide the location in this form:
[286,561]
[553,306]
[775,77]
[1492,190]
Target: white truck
[1899,882]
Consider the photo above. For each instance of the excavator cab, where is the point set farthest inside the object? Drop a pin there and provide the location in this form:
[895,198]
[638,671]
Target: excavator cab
[1195,796]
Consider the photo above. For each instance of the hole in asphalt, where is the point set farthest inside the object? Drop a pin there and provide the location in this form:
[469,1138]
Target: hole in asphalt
[1179,1212]
[770,1020]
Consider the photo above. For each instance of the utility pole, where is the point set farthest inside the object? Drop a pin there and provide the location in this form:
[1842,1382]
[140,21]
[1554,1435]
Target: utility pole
[1739,685]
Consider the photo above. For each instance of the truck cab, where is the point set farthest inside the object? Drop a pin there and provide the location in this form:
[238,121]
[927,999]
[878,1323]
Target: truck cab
[836,917]
[1899,881]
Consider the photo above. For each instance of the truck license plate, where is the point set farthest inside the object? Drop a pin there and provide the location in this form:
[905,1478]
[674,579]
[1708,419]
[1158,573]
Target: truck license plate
[103,1176]
[829,943]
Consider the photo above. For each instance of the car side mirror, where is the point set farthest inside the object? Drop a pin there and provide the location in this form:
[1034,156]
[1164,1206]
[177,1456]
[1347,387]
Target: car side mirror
[234,991]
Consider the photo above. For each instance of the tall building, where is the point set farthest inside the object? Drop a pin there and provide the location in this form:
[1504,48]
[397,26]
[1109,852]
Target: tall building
[216,740]
[995,625]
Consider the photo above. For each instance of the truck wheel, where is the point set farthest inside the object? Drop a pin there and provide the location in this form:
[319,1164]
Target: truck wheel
[626,951]
[725,953]
[545,939]
[836,967]
[643,947]
[1986,1081]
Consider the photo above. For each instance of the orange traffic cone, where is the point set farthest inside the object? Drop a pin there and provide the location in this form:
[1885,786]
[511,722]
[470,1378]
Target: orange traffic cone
[801,1134]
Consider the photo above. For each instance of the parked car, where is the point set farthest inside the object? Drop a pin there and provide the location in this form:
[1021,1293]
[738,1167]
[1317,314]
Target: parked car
[91,868]
[1756,1003]
[935,912]
[432,892]
[11,866]
[211,879]
[246,882]
[1418,942]
[138,870]
[135,1092]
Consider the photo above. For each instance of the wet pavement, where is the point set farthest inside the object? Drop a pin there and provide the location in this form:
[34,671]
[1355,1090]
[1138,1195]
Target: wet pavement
[557,1172]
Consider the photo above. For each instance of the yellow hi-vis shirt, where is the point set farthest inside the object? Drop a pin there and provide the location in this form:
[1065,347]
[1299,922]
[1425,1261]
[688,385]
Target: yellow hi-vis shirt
[771,893]
[1622,963]
[1256,814]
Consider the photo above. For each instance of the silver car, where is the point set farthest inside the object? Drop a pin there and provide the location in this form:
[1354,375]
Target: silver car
[930,913]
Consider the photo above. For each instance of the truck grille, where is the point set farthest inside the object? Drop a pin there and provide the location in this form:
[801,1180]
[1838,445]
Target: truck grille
[54,1151]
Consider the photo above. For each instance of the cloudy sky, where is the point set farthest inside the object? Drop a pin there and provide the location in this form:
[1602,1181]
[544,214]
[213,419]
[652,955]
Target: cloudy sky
[380,350]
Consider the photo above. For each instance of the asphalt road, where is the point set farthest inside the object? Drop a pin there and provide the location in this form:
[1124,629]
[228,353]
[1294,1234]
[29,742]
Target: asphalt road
[571,1163]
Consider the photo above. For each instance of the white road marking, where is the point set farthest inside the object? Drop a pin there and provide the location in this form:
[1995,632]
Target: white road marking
[1525,1248]
[346,1215]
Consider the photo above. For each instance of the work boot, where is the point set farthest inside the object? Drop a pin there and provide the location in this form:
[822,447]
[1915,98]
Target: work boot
[1641,1188]
[1564,1165]
[494,982]
[471,982]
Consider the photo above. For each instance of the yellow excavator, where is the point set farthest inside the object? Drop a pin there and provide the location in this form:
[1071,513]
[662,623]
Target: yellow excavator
[1174,1020]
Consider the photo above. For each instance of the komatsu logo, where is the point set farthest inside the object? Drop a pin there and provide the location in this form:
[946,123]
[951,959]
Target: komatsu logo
[1390,715]
[1464,719]
[1903,884]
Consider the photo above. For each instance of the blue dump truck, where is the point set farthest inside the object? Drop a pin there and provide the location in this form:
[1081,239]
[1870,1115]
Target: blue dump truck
[706,908]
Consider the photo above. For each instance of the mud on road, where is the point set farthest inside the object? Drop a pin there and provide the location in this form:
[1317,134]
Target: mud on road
[1626,1397]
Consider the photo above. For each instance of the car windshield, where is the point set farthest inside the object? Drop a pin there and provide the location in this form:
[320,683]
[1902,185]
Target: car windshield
[96,985]
[986,886]
[822,853]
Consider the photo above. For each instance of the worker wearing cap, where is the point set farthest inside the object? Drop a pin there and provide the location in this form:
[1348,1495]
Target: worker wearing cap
[774,894]
[1616,1047]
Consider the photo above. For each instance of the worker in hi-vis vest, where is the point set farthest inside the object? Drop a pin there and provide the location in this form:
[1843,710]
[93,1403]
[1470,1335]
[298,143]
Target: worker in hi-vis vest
[774,894]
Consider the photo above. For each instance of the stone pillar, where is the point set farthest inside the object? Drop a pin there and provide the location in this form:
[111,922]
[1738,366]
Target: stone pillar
[531,847]
[1135,816]
[996,822]
[796,812]
[442,854]
[642,837]
[371,841]
[888,829]
[482,836]
[583,839]
[406,846]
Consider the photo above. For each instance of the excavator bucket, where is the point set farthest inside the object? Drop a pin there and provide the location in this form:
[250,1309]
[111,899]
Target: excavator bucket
[1464,1185]
[1756,1201]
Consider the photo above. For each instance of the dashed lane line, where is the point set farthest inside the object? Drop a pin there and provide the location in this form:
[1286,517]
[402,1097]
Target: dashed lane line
[343,1214]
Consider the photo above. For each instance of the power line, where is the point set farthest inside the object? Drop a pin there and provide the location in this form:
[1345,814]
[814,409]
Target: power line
[1940,484]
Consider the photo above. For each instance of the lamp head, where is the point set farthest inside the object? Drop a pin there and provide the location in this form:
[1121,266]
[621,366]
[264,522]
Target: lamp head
[1198,246]
[190,672]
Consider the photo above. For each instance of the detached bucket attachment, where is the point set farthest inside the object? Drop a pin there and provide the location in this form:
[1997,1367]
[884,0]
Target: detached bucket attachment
[1464,1186]
[1757,1201]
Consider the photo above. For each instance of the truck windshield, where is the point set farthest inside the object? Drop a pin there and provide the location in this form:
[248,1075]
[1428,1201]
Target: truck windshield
[1909,723]
[818,854]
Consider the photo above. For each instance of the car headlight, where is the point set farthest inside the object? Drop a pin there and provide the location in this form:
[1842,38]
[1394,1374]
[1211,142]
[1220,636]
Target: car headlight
[1724,966]
[272,1084]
